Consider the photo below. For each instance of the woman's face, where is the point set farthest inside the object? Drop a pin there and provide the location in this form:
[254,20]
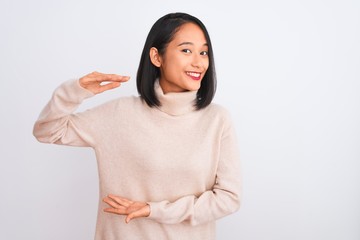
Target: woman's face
[185,61]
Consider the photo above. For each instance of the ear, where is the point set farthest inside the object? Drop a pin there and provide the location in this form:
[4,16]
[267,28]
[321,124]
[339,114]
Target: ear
[155,57]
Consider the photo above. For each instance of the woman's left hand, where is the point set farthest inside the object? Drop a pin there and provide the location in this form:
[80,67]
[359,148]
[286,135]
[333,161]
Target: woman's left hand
[123,206]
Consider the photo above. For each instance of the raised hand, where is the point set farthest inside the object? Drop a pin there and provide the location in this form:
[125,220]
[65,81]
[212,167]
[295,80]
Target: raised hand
[124,206]
[99,82]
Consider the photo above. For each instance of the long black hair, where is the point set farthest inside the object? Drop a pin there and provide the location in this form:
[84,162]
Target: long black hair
[160,35]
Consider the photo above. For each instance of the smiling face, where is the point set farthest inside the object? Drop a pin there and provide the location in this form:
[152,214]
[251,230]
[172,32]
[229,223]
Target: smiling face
[185,61]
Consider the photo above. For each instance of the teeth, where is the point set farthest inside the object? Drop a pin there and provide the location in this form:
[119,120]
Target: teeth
[193,74]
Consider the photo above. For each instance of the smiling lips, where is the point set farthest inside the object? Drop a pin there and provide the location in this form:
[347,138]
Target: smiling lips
[194,75]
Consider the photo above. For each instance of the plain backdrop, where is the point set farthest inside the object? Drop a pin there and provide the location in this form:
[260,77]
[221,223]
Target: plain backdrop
[288,71]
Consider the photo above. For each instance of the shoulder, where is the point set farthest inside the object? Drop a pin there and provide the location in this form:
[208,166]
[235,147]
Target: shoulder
[124,104]
[217,116]
[218,111]
[128,101]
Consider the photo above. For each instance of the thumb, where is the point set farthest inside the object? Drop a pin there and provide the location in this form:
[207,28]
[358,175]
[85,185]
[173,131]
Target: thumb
[109,86]
[133,215]
[142,212]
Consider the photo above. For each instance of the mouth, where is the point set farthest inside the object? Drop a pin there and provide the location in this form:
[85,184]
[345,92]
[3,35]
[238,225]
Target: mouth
[194,75]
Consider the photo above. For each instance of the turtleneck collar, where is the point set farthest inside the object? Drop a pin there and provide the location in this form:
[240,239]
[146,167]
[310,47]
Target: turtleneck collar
[175,104]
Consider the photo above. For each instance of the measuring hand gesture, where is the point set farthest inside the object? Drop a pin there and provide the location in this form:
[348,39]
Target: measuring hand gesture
[99,82]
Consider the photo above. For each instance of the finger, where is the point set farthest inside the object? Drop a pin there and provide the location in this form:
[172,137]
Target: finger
[112,203]
[119,211]
[122,201]
[118,78]
[117,202]
[96,73]
[116,197]
[110,78]
[125,78]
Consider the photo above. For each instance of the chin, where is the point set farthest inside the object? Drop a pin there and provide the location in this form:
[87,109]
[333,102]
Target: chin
[194,86]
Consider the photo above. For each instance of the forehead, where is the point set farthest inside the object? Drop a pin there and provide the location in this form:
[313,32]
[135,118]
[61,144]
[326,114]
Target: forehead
[189,32]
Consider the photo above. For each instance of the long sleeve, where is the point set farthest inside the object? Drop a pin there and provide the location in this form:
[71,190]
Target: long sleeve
[57,123]
[183,161]
[221,200]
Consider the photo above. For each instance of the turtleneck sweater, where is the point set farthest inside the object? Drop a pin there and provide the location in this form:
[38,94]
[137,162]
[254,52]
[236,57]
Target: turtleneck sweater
[183,162]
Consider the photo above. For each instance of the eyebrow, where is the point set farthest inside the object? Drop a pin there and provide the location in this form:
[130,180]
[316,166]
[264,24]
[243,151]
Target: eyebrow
[190,43]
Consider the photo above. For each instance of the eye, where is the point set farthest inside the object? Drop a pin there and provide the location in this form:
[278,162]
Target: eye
[186,50]
[204,53]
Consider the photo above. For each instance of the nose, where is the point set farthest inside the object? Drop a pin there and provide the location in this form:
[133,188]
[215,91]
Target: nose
[196,61]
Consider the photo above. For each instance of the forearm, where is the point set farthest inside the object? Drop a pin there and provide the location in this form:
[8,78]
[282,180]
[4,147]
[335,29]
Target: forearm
[210,206]
[56,118]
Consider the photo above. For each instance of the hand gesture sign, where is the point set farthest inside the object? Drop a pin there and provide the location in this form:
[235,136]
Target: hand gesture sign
[99,82]
[123,206]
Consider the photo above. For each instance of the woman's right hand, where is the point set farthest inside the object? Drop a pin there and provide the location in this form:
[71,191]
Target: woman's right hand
[99,82]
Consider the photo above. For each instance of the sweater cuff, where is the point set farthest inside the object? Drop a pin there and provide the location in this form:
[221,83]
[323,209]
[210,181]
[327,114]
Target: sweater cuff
[154,213]
[74,92]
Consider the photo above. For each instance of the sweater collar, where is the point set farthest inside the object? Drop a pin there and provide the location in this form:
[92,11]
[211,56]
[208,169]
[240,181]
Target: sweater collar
[175,104]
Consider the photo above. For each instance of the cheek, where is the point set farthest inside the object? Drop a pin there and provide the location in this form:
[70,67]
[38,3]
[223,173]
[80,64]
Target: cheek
[206,64]
[169,70]
[170,63]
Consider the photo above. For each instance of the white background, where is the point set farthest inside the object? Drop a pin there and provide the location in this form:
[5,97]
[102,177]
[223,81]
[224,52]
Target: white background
[288,71]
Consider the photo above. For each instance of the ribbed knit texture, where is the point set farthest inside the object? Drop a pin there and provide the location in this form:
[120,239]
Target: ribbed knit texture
[183,162]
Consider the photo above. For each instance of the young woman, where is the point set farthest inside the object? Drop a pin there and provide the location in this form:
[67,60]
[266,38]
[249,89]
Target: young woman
[168,160]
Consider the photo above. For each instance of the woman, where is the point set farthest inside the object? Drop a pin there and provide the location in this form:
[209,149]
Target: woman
[168,159]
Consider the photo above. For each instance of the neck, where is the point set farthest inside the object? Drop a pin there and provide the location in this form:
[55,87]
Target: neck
[175,103]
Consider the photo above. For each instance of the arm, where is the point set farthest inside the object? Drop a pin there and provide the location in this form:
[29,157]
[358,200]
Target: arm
[221,200]
[213,204]
[57,123]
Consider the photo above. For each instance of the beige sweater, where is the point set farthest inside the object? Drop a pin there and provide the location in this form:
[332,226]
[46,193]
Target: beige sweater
[183,162]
